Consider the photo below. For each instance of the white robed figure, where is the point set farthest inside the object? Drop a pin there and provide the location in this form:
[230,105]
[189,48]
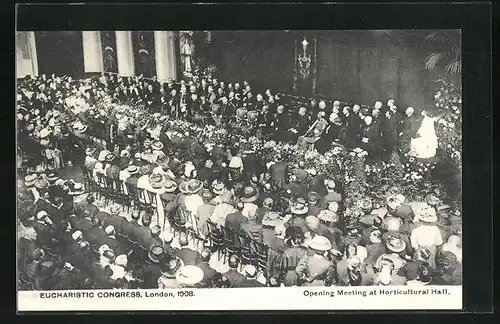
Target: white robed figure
[186,52]
[426,144]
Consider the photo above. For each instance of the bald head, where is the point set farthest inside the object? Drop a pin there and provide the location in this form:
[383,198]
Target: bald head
[205,255]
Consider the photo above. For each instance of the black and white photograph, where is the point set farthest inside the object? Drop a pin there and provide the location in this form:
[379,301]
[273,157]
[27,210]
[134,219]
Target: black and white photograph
[173,163]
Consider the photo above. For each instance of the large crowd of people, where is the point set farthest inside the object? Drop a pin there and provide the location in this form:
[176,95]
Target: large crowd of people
[266,216]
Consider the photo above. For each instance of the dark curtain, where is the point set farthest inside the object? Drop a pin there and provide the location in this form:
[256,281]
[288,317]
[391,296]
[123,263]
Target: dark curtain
[352,66]
[108,41]
[144,53]
[358,68]
[264,58]
[60,52]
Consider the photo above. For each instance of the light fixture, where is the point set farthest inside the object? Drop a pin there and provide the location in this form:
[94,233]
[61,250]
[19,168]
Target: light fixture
[305,42]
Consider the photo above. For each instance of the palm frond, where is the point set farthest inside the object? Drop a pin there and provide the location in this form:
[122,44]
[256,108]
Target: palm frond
[439,37]
[434,59]
[454,67]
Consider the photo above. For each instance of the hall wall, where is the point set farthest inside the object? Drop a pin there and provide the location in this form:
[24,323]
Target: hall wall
[60,52]
[352,66]
[264,58]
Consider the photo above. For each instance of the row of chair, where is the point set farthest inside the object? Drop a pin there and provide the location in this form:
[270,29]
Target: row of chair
[222,240]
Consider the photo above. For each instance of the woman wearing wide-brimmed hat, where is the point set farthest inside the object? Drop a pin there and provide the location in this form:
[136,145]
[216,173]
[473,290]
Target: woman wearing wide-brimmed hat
[427,234]
[316,270]
[189,276]
[395,247]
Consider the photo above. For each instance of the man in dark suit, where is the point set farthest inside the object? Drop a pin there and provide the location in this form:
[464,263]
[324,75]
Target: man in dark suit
[389,125]
[130,227]
[112,241]
[300,124]
[265,117]
[96,235]
[102,215]
[208,271]
[115,219]
[45,229]
[188,256]
[207,173]
[251,277]
[84,224]
[143,234]
[280,124]
[408,127]
[370,139]
[236,279]
[375,249]
[234,220]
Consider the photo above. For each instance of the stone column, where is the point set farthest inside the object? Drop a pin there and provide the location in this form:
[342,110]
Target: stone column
[125,53]
[26,57]
[166,63]
[92,51]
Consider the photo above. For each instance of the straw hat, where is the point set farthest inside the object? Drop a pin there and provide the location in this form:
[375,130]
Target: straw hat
[82,129]
[156,181]
[102,155]
[394,201]
[77,189]
[189,275]
[328,216]
[432,200]
[52,177]
[110,157]
[320,243]
[41,184]
[41,214]
[218,188]
[133,169]
[121,260]
[194,186]
[157,146]
[330,184]
[30,180]
[250,270]
[333,206]
[250,194]
[395,244]
[183,187]
[427,215]
[169,185]
[77,235]
[271,219]
[365,204]
[44,133]
[299,209]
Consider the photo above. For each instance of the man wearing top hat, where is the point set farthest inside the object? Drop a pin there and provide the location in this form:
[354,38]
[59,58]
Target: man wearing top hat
[152,270]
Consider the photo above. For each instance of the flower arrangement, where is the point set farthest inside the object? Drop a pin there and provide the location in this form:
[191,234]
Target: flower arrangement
[448,102]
